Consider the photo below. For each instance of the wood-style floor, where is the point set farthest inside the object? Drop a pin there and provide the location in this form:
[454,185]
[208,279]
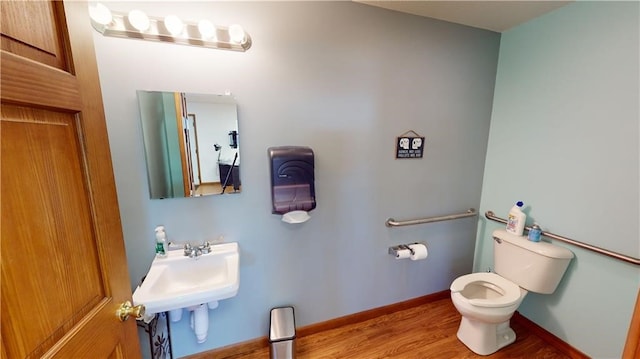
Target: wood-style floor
[425,331]
[213,188]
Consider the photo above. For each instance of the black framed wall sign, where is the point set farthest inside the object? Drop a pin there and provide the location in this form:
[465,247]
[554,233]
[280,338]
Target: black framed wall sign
[409,145]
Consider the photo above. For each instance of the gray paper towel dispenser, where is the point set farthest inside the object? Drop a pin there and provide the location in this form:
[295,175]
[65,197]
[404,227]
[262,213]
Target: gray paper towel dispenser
[292,179]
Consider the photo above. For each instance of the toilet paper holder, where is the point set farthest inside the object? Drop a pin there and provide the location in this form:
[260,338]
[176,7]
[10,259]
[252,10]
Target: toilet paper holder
[395,249]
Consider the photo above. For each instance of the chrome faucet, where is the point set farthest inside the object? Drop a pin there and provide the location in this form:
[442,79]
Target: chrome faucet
[194,252]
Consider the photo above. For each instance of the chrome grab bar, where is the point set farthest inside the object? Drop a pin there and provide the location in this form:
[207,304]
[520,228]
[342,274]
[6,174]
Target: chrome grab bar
[490,215]
[393,223]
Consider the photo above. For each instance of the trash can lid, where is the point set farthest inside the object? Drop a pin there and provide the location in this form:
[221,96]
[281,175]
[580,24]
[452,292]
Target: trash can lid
[283,326]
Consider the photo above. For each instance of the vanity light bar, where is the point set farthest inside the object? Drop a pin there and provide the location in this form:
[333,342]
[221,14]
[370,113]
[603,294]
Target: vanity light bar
[216,37]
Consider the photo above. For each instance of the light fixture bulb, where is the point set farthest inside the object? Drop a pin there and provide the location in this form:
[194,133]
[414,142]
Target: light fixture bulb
[207,30]
[100,14]
[139,20]
[173,24]
[236,34]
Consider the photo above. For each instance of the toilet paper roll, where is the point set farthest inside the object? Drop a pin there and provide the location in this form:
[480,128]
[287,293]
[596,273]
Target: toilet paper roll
[403,253]
[419,251]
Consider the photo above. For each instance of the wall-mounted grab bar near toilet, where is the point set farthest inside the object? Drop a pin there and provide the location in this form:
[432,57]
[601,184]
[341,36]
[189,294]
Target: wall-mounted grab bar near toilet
[490,215]
[393,223]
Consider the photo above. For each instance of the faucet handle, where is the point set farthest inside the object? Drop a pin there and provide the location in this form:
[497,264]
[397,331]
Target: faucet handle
[205,247]
[188,250]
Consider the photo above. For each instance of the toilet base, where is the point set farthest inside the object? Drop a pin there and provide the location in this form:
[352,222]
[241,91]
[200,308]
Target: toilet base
[485,338]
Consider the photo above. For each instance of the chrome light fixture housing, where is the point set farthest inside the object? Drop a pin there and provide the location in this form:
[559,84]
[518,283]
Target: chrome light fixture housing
[133,25]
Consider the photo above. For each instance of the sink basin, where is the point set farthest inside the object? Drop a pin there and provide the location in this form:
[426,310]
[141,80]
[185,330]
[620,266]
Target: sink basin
[177,281]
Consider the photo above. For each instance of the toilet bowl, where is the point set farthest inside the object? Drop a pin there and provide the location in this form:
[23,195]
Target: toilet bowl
[487,301]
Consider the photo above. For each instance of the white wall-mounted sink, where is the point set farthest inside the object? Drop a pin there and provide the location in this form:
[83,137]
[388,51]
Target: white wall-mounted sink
[178,281]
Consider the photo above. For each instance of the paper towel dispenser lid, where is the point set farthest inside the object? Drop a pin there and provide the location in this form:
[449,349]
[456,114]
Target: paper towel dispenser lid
[283,326]
[292,179]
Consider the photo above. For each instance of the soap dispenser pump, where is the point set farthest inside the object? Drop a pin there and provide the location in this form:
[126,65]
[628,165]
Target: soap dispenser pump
[161,242]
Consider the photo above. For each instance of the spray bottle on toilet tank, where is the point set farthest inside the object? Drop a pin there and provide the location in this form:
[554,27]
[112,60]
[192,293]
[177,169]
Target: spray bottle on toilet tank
[516,219]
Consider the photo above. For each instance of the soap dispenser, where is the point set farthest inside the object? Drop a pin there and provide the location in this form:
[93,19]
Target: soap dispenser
[161,242]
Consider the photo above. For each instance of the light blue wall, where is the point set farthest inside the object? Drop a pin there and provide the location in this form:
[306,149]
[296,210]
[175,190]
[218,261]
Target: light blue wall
[345,79]
[564,139]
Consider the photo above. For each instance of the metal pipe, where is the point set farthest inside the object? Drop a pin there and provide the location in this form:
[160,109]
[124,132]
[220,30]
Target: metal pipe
[393,223]
[490,215]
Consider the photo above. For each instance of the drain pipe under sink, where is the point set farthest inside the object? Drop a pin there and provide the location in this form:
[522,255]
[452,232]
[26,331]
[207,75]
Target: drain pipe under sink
[200,322]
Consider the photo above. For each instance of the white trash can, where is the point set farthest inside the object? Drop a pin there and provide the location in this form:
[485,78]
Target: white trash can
[282,333]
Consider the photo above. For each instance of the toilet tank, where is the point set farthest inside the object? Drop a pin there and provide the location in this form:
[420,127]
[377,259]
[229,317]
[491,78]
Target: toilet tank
[535,266]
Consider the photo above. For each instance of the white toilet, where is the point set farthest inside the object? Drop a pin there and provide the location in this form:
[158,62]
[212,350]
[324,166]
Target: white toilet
[487,301]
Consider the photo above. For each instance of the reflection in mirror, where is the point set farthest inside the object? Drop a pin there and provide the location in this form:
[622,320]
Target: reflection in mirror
[191,143]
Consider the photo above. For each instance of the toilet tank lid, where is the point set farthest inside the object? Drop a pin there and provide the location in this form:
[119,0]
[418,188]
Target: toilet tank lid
[543,248]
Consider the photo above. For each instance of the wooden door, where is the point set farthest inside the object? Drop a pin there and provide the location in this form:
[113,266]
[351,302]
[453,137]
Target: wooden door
[632,346]
[183,144]
[64,271]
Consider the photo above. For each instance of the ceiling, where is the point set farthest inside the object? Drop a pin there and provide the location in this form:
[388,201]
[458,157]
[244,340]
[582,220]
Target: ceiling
[496,16]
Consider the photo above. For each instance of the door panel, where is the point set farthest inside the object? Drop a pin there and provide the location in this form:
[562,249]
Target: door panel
[42,41]
[40,164]
[63,264]
[22,83]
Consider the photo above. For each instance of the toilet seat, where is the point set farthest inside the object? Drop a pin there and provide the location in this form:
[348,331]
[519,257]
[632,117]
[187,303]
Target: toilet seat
[510,292]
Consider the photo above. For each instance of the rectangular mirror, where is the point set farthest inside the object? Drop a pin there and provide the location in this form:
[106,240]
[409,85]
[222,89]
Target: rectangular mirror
[191,143]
